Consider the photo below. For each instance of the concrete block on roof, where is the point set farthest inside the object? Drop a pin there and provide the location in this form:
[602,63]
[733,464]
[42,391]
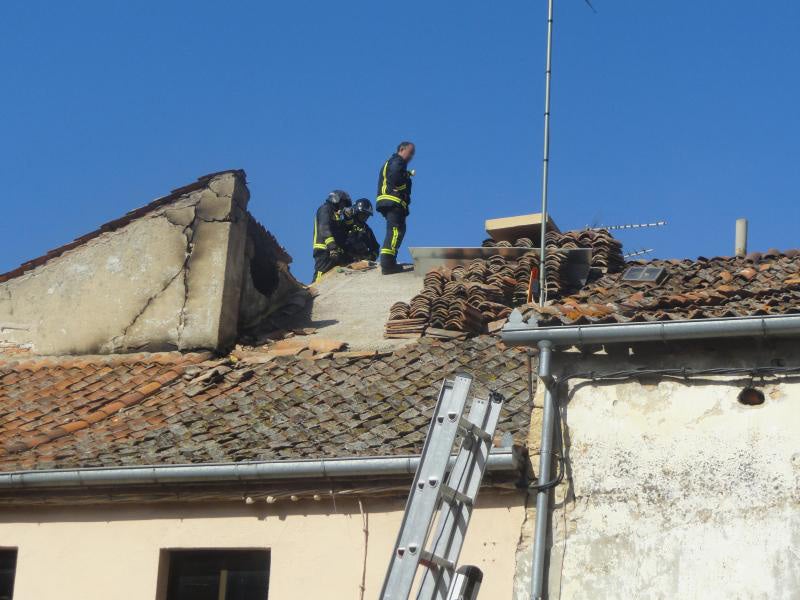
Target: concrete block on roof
[510,229]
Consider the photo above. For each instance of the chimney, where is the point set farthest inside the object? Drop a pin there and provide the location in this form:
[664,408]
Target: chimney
[741,237]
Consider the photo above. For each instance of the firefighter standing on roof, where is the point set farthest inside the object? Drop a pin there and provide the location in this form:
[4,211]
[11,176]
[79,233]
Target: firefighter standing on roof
[327,225]
[394,197]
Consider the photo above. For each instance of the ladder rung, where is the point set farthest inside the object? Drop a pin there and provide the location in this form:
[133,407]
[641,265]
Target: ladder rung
[474,430]
[428,558]
[452,496]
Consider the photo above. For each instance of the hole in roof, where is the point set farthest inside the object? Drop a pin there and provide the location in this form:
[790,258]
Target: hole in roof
[645,274]
[751,397]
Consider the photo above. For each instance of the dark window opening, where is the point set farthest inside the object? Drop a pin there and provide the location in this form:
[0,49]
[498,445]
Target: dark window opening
[751,397]
[218,575]
[8,569]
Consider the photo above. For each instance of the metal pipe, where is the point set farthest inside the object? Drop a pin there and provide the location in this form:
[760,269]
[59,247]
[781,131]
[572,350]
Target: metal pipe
[741,237]
[522,334]
[502,459]
[545,462]
[546,161]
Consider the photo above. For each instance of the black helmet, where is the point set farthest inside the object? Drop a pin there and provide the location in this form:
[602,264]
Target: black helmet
[363,209]
[339,199]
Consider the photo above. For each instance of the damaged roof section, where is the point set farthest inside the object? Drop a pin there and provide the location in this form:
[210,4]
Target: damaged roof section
[118,223]
[175,408]
[185,271]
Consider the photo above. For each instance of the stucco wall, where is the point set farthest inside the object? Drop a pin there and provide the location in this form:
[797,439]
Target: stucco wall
[675,489]
[170,279]
[317,551]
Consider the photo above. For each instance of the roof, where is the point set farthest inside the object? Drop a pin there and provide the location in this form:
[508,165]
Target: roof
[474,297]
[758,284]
[118,223]
[172,408]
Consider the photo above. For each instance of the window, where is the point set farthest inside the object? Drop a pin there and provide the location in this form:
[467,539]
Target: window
[8,568]
[218,575]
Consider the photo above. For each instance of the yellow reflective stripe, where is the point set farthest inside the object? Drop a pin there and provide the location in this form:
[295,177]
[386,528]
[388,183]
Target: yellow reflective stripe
[314,241]
[320,247]
[395,237]
[392,199]
[319,276]
[401,188]
[383,187]
[328,240]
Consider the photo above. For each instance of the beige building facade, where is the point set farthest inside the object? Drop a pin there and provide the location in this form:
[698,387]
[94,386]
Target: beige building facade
[316,549]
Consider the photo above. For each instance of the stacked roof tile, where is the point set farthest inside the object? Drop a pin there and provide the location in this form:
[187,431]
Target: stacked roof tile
[170,408]
[464,298]
[606,249]
[759,284]
[467,298]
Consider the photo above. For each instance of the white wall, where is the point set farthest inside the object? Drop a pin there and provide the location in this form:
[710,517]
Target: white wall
[677,490]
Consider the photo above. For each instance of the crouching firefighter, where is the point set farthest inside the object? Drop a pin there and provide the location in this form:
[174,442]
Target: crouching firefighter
[327,230]
[394,197]
[359,241]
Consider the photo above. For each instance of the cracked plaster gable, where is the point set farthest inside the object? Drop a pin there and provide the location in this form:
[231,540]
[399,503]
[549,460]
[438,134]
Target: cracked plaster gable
[169,279]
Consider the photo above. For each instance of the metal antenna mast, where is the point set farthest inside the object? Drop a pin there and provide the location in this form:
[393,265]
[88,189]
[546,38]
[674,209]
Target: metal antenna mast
[546,161]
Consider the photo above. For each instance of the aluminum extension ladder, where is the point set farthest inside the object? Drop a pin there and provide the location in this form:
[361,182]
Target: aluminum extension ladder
[453,498]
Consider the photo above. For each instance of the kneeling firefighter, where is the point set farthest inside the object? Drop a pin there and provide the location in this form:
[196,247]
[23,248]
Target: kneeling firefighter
[327,230]
[394,197]
[359,242]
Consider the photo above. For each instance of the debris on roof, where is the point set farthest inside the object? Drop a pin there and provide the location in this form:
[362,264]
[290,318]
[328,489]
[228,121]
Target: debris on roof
[351,305]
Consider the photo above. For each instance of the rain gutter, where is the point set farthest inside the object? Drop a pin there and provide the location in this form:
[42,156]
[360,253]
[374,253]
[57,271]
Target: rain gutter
[518,333]
[500,460]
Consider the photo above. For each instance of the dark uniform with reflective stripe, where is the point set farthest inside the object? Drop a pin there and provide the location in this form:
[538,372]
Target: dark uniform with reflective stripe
[394,196]
[359,242]
[326,229]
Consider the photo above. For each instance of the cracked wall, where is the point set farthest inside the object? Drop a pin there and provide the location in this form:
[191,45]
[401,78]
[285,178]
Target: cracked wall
[674,489]
[169,280]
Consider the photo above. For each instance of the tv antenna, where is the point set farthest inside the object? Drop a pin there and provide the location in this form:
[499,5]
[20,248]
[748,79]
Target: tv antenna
[638,253]
[628,226]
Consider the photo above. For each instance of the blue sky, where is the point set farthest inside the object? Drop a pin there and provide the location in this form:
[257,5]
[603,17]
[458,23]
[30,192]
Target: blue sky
[684,111]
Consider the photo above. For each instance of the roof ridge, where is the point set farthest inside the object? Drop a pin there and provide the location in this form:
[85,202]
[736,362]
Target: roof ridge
[34,363]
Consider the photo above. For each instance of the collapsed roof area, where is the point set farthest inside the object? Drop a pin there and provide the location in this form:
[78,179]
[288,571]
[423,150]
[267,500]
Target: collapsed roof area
[260,367]
[190,270]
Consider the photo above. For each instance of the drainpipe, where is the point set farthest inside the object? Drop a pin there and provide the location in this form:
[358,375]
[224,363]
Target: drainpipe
[519,333]
[545,462]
